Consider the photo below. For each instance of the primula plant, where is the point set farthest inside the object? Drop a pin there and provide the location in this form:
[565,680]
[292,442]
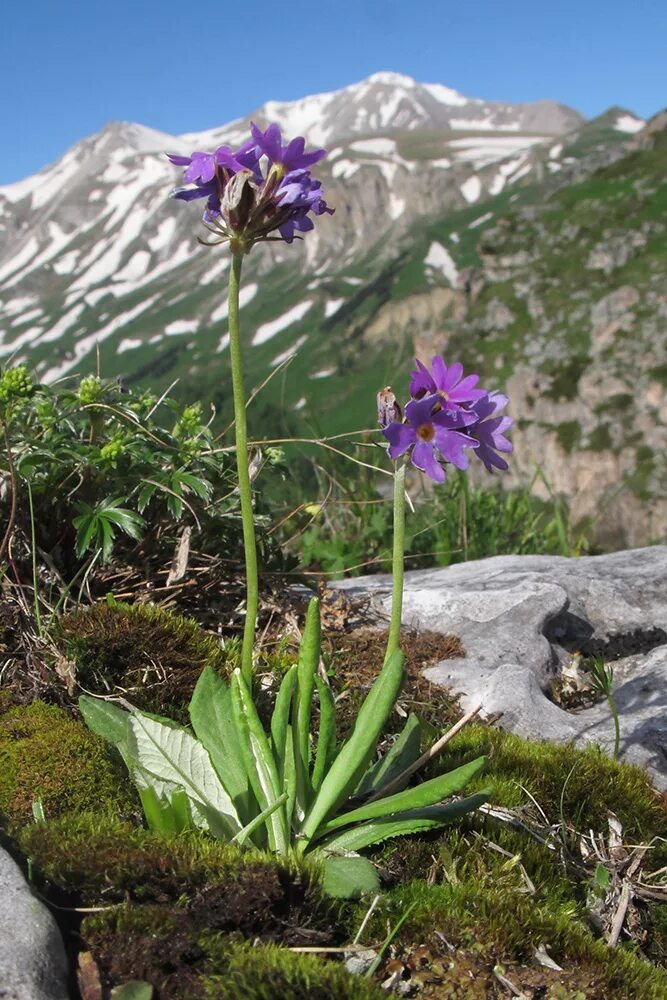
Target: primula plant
[286,789]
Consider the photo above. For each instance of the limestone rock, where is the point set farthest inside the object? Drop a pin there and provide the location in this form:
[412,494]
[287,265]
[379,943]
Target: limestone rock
[32,958]
[520,618]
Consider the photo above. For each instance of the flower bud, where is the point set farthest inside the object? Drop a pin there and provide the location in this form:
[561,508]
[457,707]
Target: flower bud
[388,409]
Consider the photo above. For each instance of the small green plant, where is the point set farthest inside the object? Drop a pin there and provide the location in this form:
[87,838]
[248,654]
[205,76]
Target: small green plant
[602,677]
[95,466]
[282,789]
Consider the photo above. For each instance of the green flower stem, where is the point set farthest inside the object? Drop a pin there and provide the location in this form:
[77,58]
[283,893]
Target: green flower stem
[242,465]
[397,565]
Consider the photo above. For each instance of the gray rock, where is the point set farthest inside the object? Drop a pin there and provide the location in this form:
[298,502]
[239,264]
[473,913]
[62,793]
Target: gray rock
[520,618]
[32,958]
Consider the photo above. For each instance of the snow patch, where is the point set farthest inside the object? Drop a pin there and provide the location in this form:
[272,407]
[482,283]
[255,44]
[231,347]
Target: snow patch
[380,146]
[215,271]
[471,189]
[87,343]
[481,220]
[344,169]
[332,306]
[27,317]
[268,330]
[180,326]
[290,352]
[135,268]
[163,236]
[64,323]
[440,259]
[246,295]
[628,123]
[66,262]
[445,95]
[129,344]
[18,260]
[396,206]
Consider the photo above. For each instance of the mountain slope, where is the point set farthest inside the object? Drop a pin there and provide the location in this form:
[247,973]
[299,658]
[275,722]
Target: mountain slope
[94,256]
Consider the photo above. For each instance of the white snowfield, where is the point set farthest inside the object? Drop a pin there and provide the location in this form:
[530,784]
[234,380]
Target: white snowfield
[268,330]
[628,123]
[439,258]
[96,231]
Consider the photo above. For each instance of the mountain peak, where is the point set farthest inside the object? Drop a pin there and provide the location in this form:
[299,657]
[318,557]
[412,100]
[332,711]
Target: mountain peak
[391,79]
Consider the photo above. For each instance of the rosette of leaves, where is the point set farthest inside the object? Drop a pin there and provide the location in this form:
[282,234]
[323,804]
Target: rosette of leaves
[282,790]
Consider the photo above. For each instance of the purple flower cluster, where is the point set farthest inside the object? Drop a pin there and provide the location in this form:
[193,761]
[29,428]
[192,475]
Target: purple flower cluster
[448,415]
[244,205]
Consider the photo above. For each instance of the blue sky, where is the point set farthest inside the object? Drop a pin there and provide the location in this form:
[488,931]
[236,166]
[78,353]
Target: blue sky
[66,68]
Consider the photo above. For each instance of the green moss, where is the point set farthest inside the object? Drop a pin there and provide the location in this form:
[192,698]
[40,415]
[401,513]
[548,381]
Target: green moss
[183,959]
[507,926]
[582,783]
[153,657]
[659,373]
[565,377]
[269,973]
[569,435]
[106,857]
[600,438]
[45,754]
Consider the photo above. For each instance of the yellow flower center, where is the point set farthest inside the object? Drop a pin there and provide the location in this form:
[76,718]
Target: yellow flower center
[426,432]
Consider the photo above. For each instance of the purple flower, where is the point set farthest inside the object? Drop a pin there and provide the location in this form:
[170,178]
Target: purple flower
[445,382]
[432,434]
[242,205]
[289,157]
[489,431]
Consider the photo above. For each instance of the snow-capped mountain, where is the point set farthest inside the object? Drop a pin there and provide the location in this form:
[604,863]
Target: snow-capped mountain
[94,256]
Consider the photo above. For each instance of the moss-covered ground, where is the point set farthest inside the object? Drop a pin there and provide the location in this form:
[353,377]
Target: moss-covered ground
[484,903]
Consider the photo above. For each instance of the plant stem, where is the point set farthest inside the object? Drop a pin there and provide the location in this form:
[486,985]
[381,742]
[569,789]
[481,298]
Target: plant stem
[35,582]
[13,485]
[242,465]
[617,728]
[397,564]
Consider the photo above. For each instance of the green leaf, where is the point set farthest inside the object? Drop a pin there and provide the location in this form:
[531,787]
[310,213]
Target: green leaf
[426,794]
[259,761]
[402,824]
[349,877]
[105,538]
[127,520]
[200,487]
[403,753]
[212,719]
[146,494]
[167,814]
[105,719]
[326,739]
[280,720]
[173,755]
[309,658]
[86,526]
[352,760]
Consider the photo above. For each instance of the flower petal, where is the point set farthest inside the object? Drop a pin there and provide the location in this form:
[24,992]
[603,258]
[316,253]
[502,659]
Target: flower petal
[423,457]
[400,437]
